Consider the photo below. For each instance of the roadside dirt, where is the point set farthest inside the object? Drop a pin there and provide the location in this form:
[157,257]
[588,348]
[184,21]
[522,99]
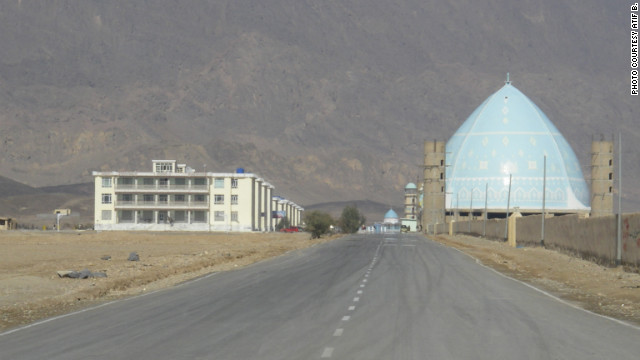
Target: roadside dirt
[612,292]
[30,288]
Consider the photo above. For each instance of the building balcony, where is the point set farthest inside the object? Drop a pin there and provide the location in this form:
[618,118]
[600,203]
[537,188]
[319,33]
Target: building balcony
[165,189]
[148,205]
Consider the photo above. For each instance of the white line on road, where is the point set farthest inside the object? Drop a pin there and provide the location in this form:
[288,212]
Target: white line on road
[338,332]
[356,299]
[359,292]
[346,318]
[351,308]
[327,353]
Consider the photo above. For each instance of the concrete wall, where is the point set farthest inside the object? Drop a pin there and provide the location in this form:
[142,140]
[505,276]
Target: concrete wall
[593,238]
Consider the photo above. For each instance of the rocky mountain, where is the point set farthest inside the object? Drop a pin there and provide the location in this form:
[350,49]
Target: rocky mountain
[328,100]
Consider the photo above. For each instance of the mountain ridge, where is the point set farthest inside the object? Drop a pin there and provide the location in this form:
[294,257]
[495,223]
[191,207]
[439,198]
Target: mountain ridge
[328,101]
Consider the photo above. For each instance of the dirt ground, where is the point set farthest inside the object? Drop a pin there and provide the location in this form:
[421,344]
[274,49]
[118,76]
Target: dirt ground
[30,288]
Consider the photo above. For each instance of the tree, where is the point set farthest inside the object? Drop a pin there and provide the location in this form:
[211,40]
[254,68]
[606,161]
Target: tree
[317,223]
[351,219]
[283,224]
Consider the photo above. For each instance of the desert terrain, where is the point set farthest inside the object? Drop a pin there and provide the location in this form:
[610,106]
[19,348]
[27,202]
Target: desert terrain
[31,289]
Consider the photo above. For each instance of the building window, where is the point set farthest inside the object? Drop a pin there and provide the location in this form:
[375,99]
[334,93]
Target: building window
[610,189]
[199,198]
[234,199]
[610,162]
[610,176]
[127,198]
[148,181]
[147,216]
[218,216]
[234,183]
[125,181]
[179,216]
[218,183]
[163,182]
[199,181]
[441,176]
[218,199]
[198,216]
[106,182]
[106,198]
[234,216]
[126,216]
[164,167]
[106,214]
[178,198]
[163,199]
[180,181]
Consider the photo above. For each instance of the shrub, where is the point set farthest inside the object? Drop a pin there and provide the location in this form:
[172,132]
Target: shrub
[318,223]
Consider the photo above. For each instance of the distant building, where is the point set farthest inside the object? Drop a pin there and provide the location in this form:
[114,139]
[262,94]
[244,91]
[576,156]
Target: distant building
[174,197]
[7,223]
[411,206]
[390,223]
[496,161]
[509,136]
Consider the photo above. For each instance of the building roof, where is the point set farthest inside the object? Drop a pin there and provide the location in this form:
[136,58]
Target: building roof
[509,135]
[391,214]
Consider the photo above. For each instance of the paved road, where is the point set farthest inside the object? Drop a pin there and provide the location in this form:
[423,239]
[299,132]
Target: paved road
[361,297]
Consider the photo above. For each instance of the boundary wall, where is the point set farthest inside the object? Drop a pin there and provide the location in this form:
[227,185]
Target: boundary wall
[592,239]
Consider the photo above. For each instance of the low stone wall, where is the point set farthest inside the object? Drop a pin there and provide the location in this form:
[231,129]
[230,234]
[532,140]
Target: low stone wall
[593,239]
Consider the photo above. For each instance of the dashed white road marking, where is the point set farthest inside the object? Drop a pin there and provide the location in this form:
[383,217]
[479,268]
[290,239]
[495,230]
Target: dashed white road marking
[338,332]
[356,299]
[351,308]
[359,292]
[327,353]
[346,318]
[362,285]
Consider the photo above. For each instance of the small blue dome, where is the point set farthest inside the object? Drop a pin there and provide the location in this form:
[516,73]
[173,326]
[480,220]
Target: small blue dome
[509,135]
[411,186]
[391,214]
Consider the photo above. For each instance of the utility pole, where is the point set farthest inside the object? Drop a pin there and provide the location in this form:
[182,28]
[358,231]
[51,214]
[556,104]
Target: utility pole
[619,237]
[544,190]
[506,224]
[484,223]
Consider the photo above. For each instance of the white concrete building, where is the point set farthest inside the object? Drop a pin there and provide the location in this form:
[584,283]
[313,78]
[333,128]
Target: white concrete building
[174,197]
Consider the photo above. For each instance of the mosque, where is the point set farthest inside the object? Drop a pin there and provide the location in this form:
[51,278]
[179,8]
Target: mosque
[503,158]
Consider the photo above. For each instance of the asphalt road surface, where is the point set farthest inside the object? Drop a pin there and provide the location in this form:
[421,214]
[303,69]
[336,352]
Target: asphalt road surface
[361,297]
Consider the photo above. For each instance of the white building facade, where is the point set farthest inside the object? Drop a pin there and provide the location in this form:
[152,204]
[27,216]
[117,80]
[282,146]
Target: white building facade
[174,197]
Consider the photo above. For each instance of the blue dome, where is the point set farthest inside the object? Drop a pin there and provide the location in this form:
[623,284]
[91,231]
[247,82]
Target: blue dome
[411,186]
[509,134]
[391,214]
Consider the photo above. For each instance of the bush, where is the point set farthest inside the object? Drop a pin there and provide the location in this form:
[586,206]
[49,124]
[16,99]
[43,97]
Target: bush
[351,219]
[318,223]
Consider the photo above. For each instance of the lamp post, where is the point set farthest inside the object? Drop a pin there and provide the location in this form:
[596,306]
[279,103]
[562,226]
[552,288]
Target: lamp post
[506,224]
